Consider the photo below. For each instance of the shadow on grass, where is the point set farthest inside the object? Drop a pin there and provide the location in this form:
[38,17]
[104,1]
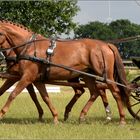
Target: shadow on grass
[25,121]
[72,120]
[98,120]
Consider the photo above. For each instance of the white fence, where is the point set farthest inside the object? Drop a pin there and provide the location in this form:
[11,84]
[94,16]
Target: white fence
[52,89]
[128,64]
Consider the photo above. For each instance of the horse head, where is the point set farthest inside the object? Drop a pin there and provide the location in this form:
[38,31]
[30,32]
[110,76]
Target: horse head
[12,34]
[4,42]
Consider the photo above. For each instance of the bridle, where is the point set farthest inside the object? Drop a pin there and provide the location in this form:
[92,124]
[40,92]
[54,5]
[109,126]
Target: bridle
[5,52]
[30,41]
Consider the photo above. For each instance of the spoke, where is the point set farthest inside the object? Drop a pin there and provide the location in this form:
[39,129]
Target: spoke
[135,97]
[135,104]
[137,112]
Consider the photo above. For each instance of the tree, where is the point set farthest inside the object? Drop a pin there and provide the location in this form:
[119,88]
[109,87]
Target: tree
[45,17]
[115,30]
[96,30]
[123,29]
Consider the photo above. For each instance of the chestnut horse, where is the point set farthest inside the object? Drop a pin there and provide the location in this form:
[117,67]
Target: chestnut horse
[101,58]
[13,69]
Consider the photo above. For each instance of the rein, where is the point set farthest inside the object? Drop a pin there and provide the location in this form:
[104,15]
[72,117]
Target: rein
[22,45]
[37,40]
[46,62]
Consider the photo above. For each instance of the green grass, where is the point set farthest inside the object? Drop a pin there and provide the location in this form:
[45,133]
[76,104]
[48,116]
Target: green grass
[21,121]
[132,74]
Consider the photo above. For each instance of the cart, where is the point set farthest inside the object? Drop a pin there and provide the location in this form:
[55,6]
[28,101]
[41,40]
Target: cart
[134,105]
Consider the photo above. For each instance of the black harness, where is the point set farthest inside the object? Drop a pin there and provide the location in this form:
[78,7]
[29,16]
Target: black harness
[49,53]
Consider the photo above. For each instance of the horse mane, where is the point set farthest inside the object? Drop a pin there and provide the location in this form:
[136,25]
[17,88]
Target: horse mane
[16,24]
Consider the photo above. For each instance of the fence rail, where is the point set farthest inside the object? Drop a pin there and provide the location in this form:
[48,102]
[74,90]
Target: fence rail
[50,89]
[128,64]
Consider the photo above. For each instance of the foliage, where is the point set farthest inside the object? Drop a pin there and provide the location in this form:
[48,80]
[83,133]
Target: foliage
[96,30]
[115,30]
[123,29]
[45,17]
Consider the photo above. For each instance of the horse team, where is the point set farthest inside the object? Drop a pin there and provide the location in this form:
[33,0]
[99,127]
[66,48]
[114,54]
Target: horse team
[87,55]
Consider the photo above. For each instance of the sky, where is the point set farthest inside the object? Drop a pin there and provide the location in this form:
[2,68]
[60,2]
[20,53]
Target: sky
[108,10]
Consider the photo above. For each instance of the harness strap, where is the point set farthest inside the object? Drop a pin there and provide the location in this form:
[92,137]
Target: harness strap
[43,61]
[22,45]
[43,75]
[11,59]
[34,38]
[49,53]
[33,58]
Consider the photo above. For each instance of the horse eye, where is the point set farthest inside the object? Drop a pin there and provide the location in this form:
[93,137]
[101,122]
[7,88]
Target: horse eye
[1,33]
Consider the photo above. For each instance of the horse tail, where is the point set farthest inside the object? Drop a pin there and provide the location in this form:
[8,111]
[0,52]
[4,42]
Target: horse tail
[120,75]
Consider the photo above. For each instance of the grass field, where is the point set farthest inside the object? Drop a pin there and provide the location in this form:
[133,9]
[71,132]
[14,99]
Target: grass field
[21,121]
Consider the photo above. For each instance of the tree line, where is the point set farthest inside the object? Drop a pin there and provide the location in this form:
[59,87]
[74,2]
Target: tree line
[118,29]
[54,16]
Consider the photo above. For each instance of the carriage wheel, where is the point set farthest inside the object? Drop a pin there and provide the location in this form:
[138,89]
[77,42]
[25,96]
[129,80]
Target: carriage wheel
[134,106]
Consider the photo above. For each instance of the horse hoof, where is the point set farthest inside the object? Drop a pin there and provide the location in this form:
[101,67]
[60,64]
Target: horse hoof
[108,118]
[122,123]
[107,121]
[82,119]
[1,116]
[40,120]
[56,122]
[66,116]
[40,116]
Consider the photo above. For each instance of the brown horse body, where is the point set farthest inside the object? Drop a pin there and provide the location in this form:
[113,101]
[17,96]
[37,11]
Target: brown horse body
[13,68]
[83,55]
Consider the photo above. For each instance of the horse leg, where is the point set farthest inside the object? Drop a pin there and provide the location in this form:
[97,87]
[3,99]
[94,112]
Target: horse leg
[90,82]
[77,95]
[116,95]
[7,84]
[106,104]
[23,83]
[35,100]
[42,89]
[116,92]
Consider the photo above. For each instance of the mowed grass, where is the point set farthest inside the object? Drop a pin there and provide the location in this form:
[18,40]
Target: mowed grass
[21,121]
